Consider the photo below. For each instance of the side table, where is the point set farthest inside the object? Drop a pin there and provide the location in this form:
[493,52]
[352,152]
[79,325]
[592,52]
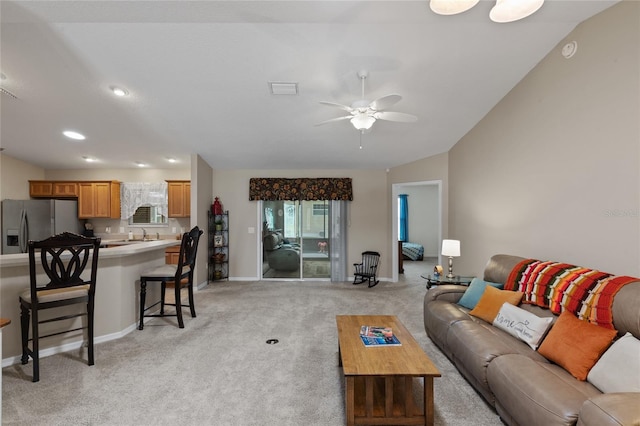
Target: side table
[433,280]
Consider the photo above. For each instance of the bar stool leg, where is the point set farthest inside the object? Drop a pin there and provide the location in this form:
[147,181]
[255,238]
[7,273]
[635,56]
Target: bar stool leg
[143,294]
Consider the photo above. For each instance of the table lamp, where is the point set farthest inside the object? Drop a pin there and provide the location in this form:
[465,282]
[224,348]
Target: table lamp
[450,248]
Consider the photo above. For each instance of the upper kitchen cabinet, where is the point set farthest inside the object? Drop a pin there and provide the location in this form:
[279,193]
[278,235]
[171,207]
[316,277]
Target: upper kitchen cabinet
[179,192]
[99,199]
[52,189]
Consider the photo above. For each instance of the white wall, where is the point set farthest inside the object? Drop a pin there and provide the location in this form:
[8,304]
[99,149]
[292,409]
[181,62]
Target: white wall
[14,177]
[369,224]
[552,172]
[201,200]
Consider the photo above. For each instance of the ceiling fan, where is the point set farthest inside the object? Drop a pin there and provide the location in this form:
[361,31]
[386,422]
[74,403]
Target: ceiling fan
[363,113]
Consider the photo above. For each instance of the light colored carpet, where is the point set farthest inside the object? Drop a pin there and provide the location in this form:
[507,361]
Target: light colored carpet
[218,370]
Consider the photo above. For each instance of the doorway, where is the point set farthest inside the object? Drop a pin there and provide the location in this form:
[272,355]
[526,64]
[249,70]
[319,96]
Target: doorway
[425,224]
[295,240]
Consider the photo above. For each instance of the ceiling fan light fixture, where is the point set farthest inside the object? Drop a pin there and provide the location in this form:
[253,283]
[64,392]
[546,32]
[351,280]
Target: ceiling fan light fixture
[362,121]
[512,10]
[451,7]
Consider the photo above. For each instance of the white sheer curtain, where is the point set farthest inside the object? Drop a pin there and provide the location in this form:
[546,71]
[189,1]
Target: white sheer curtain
[338,240]
[138,194]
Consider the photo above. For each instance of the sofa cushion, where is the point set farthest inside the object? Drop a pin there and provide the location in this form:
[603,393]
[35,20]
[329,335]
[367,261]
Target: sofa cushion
[575,345]
[475,344]
[535,393]
[491,302]
[612,409]
[618,369]
[438,317]
[522,325]
[473,293]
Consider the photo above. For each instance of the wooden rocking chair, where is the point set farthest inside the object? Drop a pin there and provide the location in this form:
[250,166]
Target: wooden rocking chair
[367,269]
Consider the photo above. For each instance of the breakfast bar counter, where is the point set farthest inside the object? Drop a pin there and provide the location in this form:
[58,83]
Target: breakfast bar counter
[117,290]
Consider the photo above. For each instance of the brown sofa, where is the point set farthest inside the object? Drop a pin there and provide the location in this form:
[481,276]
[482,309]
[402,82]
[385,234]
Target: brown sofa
[523,386]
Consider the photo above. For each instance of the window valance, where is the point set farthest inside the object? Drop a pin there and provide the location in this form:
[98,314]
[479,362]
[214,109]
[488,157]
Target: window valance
[138,194]
[305,189]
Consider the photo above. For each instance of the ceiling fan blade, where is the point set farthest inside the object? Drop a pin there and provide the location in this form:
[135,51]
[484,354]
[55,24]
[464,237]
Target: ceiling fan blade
[395,116]
[385,102]
[333,104]
[346,117]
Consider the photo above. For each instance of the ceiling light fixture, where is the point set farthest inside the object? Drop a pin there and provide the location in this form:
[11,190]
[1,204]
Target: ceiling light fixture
[503,11]
[118,91]
[89,159]
[362,121]
[74,135]
[451,7]
[172,160]
[513,10]
[140,164]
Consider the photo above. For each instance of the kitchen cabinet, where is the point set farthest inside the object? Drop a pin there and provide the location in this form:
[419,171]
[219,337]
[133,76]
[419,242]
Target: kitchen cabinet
[172,255]
[179,193]
[53,189]
[99,199]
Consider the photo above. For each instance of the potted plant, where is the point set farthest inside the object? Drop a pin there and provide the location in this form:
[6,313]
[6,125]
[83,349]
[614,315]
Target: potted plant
[219,224]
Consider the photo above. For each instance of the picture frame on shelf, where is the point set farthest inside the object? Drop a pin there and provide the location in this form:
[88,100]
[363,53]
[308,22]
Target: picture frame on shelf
[218,241]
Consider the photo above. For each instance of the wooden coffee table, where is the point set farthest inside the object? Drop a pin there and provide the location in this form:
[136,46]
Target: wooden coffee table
[379,380]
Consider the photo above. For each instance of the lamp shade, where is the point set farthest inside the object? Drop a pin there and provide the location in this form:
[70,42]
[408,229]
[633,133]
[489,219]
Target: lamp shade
[451,248]
[362,121]
[512,10]
[451,7]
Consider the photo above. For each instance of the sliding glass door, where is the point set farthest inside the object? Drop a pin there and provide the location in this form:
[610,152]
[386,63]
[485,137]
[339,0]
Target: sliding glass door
[295,239]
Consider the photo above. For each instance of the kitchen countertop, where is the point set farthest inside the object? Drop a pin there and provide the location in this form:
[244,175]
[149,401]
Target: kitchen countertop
[124,248]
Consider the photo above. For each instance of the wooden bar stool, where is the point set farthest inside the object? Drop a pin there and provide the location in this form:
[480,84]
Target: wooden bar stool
[180,275]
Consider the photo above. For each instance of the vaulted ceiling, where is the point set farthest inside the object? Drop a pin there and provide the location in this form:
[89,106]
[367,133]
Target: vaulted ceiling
[197,75]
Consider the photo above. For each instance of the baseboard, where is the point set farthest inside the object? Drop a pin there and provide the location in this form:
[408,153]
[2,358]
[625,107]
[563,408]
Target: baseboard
[67,347]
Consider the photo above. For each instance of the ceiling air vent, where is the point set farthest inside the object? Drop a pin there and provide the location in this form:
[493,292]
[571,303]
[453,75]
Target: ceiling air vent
[283,88]
[7,93]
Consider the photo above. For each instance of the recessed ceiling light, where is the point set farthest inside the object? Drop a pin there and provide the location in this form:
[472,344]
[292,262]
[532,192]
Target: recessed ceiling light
[74,135]
[118,91]
[171,160]
[89,159]
[140,164]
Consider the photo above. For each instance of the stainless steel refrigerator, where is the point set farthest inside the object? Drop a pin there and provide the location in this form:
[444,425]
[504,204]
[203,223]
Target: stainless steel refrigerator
[24,220]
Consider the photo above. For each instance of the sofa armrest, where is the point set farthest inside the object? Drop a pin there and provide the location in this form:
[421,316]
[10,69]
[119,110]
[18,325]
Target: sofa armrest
[448,293]
[611,409]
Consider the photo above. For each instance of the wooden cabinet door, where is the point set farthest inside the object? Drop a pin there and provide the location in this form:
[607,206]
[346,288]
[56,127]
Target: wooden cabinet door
[175,192]
[86,207]
[179,193]
[65,189]
[40,189]
[187,199]
[102,199]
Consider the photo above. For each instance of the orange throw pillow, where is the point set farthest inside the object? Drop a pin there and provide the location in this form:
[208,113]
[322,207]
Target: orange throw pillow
[492,300]
[576,345]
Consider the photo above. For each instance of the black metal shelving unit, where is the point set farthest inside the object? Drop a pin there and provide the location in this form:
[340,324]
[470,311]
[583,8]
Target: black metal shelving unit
[219,246]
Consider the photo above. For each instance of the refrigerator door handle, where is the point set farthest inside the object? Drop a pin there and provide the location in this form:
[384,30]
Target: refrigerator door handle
[23,236]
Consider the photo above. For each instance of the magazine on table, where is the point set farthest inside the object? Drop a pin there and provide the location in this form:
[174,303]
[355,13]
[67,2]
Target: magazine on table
[378,336]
